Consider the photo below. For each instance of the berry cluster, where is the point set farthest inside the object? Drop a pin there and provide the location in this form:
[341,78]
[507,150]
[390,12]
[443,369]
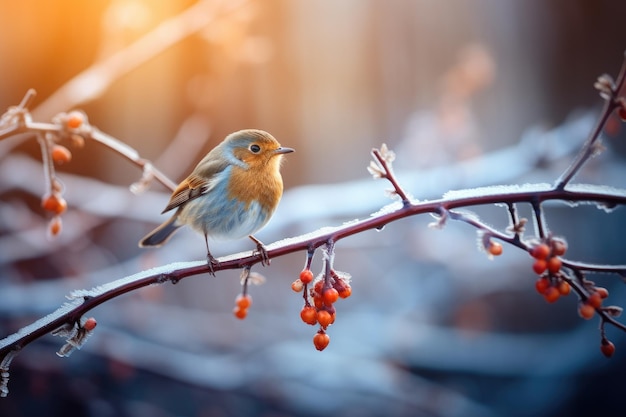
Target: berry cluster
[552,284]
[320,295]
[70,125]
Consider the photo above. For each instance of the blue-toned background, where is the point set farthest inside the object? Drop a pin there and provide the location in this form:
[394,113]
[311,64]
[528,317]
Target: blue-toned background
[468,94]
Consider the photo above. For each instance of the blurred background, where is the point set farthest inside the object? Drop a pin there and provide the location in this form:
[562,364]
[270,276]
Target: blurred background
[468,94]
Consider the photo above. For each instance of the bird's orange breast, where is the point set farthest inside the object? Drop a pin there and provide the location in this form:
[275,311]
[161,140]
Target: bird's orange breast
[263,185]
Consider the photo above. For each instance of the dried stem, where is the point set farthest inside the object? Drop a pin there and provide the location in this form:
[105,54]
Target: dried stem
[43,130]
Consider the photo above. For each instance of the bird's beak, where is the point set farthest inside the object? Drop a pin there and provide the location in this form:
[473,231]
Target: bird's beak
[283,150]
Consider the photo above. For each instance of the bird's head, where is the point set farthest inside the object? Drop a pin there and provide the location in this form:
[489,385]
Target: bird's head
[256,148]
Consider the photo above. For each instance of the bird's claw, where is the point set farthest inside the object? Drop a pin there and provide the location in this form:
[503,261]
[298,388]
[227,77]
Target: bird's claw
[212,262]
[265,258]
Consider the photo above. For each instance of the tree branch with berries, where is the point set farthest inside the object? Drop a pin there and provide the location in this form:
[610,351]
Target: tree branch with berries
[557,275]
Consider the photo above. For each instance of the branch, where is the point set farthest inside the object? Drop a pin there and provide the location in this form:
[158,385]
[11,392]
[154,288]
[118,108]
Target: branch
[74,126]
[82,301]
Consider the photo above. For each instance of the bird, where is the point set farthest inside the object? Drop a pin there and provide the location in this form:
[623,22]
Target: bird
[232,192]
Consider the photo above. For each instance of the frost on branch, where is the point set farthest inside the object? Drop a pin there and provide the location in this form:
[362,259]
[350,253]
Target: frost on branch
[75,334]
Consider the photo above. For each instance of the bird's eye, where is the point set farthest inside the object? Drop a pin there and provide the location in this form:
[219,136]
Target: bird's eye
[254,148]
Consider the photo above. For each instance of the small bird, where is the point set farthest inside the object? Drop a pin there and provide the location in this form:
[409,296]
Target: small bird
[231,193]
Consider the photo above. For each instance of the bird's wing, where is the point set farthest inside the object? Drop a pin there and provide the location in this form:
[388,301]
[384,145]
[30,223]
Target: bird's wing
[201,181]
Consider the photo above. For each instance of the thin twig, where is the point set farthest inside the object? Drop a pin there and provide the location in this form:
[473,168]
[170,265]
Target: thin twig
[589,148]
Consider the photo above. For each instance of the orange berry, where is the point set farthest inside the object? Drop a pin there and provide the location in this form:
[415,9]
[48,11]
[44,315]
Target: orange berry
[540,266]
[321,340]
[306,276]
[55,226]
[330,296]
[240,313]
[74,119]
[559,247]
[586,311]
[595,300]
[54,203]
[551,294]
[554,264]
[541,285]
[243,301]
[317,289]
[604,293]
[495,249]
[318,301]
[607,347]
[339,284]
[324,318]
[564,288]
[90,324]
[345,292]
[540,251]
[308,314]
[297,285]
[60,154]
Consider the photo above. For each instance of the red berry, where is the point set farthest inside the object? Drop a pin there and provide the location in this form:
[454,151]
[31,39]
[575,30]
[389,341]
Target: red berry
[297,285]
[595,300]
[60,154]
[564,288]
[243,301]
[604,293]
[321,340]
[621,111]
[551,294]
[540,266]
[559,247]
[317,288]
[325,318]
[240,313]
[54,203]
[330,296]
[541,285]
[540,251]
[55,226]
[342,287]
[586,311]
[90,324]
[495,249]
[75,119]
[318,301]
[554,264]
[607,347]
[346,291]
[308,314]
[306,276]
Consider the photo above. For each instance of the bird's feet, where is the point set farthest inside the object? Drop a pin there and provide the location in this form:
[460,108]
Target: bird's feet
[265,259]
[212,262]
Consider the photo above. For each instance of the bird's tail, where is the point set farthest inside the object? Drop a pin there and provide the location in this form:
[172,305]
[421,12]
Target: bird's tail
[161,234]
